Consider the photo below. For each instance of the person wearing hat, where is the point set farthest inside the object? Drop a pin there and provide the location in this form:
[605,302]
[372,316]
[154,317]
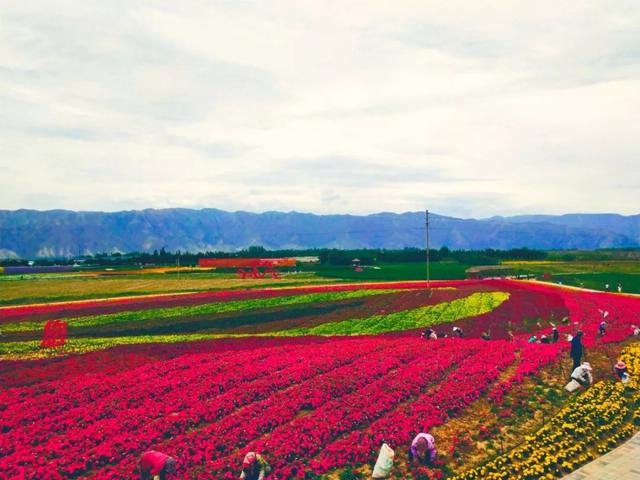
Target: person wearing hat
[423,450]
[254,467]
[577,350]
[457,332]
[620,369]
[582,374]
[155,465]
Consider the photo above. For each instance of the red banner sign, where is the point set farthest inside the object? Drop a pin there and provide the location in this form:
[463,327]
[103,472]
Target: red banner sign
[55,334]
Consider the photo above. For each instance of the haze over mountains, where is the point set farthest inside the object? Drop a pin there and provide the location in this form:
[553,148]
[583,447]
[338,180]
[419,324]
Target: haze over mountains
[63,233]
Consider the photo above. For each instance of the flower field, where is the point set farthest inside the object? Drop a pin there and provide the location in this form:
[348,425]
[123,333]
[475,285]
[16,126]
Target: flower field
[314,378]
[142,302]
[594,423]
[230,306]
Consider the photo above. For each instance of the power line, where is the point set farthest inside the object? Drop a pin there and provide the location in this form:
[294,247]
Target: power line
[426,225]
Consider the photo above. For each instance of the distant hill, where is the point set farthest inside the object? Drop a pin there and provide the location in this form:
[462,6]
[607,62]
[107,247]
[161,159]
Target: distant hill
[628,226]
[61,233]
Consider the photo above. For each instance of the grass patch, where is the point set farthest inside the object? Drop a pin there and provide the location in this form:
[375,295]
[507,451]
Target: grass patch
[393,271]
[630,282]
[560,267]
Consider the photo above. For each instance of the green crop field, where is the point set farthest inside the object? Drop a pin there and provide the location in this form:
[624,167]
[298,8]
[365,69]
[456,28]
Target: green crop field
[562,267]
[37,288]
[393,271]
[594,275]
[630,282]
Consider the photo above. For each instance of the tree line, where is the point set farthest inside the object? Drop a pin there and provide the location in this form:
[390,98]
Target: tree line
[328,256]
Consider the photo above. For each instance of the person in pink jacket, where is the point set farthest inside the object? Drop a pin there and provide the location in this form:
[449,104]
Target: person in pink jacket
[423,450]
[155,464]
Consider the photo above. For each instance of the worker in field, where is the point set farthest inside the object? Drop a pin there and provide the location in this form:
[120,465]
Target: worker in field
[544,339]
[582,375]
[602,327]
[555,334]
[620,369]
[423,450]
[429,334]
[156,466]
[577,350]
[254,467]
[457,332]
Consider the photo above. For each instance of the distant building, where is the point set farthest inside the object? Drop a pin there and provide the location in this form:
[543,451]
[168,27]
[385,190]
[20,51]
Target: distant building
[307,259]
[246,262]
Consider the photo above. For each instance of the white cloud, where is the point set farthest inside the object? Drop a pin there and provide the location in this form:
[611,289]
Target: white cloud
[333,107]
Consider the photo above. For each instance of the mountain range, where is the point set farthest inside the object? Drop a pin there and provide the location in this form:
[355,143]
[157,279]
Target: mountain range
[64,233]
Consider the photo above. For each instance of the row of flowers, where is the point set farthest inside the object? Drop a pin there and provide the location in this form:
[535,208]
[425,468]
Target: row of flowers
[520,314]
[93,307]
[27,405]
[526,301]
[30,350]
[322,404]
[596,421]
[110,357]
[291,445]
[64,401]
[203,309]
[473,305]
[192,405]
[532,359]
[587,309]
[222,437]
[463,386]
[631,357]
[99,423]
[22,353]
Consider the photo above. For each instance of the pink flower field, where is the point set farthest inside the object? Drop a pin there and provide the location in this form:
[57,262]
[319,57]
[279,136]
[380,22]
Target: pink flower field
[313,405]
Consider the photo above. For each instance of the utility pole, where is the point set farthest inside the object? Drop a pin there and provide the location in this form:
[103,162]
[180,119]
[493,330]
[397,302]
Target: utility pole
[426,224]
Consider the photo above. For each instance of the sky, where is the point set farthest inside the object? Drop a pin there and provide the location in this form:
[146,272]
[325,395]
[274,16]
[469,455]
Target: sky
[468,109]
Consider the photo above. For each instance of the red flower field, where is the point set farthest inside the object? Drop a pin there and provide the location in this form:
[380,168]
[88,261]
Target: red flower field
[311,405]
